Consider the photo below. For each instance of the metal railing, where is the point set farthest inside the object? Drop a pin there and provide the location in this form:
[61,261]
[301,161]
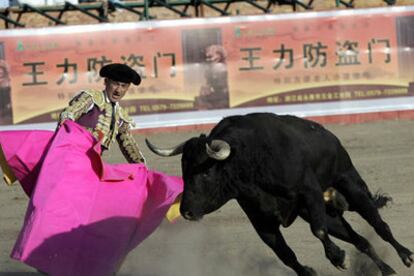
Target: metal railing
[12,16]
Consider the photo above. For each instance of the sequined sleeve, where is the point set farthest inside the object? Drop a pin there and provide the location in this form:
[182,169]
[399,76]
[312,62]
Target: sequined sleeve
[128,145]
[79,105]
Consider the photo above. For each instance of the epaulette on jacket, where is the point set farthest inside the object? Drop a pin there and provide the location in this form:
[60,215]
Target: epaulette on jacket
[123,114]
[98,97]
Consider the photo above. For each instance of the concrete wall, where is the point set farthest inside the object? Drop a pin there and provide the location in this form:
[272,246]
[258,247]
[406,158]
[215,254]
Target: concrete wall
[34,20]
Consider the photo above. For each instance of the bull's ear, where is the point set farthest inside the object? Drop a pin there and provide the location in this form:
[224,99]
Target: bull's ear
[178,149]
[218,149]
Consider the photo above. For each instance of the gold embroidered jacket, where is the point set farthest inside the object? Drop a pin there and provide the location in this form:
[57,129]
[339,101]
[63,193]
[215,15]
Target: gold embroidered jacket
[106,121]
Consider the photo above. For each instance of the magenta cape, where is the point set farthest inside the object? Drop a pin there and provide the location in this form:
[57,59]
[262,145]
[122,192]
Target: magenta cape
[84,215]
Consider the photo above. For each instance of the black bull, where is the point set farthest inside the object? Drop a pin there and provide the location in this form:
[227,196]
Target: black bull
[278,168]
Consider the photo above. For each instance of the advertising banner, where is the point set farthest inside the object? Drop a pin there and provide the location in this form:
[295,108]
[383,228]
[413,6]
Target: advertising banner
[192,65]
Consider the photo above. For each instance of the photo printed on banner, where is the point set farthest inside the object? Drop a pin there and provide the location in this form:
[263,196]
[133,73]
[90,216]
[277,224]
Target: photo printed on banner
[6,115]
[205,62]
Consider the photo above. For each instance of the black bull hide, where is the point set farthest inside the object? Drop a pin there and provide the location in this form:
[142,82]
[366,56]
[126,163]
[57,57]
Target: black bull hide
[278,168]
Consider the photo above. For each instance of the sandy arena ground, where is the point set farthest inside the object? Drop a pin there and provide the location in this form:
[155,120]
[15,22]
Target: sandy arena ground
[225,244]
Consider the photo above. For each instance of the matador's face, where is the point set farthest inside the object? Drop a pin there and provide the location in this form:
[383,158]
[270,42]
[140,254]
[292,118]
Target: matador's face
[115,90]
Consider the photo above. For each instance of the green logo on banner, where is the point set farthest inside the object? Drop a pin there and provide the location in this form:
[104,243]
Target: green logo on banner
[237,32]
[20,46]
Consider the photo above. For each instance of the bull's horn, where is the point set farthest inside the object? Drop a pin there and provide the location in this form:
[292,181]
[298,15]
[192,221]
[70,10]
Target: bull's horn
[167,151]
[218,149]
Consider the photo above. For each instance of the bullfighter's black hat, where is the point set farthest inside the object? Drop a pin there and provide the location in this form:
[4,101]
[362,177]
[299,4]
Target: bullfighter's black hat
[120,72]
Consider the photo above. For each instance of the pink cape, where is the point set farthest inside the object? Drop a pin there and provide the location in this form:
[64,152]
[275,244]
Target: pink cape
[84,215]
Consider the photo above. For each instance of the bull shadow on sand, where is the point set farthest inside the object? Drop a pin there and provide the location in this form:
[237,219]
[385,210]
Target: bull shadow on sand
[249,263]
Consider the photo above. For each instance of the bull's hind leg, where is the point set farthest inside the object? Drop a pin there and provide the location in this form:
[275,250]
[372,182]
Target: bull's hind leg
[360,200]
[340,228]
[311,197]
[268,229]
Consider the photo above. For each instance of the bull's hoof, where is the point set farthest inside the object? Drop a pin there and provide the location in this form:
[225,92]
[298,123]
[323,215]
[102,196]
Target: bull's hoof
[407,257]
[338,258]
[308,271]
[386,270]
[345,263]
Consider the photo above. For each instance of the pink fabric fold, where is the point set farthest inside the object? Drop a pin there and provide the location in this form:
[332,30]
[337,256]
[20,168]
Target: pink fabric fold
[84,215]
[24,151]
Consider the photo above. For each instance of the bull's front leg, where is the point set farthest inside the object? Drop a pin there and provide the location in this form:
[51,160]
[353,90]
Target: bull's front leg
[267,228]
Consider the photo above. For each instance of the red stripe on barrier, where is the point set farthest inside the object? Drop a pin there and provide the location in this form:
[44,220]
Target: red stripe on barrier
[364,117]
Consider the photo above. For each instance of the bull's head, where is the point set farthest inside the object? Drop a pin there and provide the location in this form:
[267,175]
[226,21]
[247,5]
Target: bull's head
[206,185]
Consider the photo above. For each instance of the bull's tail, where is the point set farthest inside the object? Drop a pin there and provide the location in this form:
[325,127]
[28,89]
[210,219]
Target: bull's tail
[338,200]
[381,199]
